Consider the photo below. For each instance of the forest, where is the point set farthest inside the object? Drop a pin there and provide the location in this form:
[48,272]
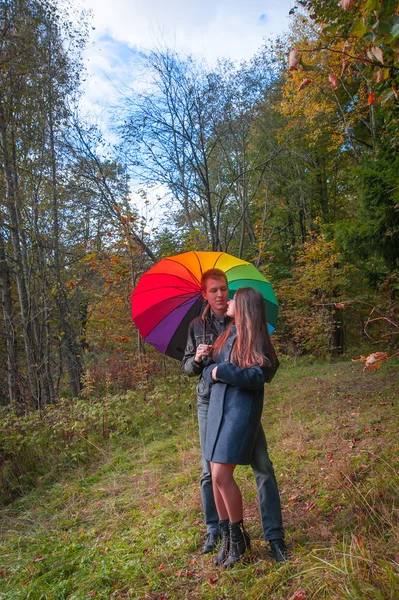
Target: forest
[289,160]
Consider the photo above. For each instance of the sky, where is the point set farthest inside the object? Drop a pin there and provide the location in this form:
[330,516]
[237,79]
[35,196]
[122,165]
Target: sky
[121,30]
[209,29]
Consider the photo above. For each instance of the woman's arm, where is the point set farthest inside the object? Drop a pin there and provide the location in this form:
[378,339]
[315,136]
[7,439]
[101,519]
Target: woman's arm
[207,373]
[252,378]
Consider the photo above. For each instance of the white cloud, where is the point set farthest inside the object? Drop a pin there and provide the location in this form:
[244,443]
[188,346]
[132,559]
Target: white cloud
[212,28]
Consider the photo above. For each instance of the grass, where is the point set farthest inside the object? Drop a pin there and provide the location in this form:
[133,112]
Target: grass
[128,522]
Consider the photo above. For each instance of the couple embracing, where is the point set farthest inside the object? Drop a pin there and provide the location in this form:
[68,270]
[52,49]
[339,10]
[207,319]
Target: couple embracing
[229,347]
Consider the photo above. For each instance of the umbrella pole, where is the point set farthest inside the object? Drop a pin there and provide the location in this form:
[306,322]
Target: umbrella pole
[204,322]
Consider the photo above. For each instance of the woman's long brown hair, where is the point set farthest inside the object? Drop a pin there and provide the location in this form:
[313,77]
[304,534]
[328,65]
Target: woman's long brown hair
[253,345]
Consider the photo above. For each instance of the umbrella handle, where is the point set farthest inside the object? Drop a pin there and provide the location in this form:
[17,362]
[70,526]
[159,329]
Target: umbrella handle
[204,320]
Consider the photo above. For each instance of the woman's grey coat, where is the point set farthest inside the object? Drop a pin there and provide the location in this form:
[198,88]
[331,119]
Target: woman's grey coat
[235,407]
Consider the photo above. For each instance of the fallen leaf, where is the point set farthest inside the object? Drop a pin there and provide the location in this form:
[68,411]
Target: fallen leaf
[361,359]
[161,567]
[293,498]
[396,557]
[3,573]
[38,559]
[299,595]
[213,580]
[375,360]
[353,442]
[357,541]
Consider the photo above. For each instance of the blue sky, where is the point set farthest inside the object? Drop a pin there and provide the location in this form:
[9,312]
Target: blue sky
[211,29]
[124,29]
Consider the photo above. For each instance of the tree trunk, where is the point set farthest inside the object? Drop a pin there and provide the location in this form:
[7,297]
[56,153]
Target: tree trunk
[20,272]
[67,328]
[14,390]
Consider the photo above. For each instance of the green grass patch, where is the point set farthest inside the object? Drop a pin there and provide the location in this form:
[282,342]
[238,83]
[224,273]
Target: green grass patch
[123,519]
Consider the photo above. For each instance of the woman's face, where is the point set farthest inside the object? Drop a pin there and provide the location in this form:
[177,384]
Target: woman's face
[231,308]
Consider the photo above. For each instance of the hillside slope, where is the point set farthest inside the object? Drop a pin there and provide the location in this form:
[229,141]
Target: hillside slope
[128,523]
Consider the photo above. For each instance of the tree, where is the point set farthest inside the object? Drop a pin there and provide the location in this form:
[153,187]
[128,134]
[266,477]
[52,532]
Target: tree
[310,322]
[364,36]
[372,234]
[191,131]
[37,77]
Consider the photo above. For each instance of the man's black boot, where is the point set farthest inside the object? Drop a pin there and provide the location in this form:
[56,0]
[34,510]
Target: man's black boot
[239,542]
[225,542]
[279,550]
[211,541]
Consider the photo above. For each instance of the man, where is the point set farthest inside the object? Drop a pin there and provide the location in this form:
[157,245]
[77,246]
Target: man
[203,331]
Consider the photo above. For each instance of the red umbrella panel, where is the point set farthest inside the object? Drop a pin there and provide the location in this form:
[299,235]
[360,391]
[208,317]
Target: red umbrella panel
[168,296]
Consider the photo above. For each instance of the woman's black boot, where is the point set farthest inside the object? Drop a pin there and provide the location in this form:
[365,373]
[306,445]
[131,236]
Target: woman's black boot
[225,542]
[239,542]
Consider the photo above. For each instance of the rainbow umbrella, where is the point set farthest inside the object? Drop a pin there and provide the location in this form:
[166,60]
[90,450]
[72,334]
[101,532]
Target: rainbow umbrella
[168,296]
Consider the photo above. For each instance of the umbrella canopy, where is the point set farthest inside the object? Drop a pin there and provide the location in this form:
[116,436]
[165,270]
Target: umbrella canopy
[169,295]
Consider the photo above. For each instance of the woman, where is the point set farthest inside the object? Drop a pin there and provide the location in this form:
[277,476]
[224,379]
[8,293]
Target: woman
[244,359]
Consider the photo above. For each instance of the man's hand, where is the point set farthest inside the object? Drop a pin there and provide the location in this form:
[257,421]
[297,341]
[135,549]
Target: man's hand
[202,350]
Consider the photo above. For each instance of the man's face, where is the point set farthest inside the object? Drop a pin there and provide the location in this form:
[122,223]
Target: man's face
[217,294]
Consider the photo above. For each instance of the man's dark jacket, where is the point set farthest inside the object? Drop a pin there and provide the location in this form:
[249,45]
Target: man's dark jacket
[202,330]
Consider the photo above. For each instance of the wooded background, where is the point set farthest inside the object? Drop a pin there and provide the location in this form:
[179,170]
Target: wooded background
[289,160]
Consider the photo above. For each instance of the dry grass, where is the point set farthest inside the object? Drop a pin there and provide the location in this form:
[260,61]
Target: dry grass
[130,525]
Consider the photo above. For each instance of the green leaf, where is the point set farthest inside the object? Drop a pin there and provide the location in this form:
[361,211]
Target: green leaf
[358,28]
[306,67]
[386,74]
[395,30]
[386,96]
[371,5]
[384,27]
[330,29]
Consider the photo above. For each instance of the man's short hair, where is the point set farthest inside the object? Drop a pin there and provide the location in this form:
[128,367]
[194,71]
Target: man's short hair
[212,274]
